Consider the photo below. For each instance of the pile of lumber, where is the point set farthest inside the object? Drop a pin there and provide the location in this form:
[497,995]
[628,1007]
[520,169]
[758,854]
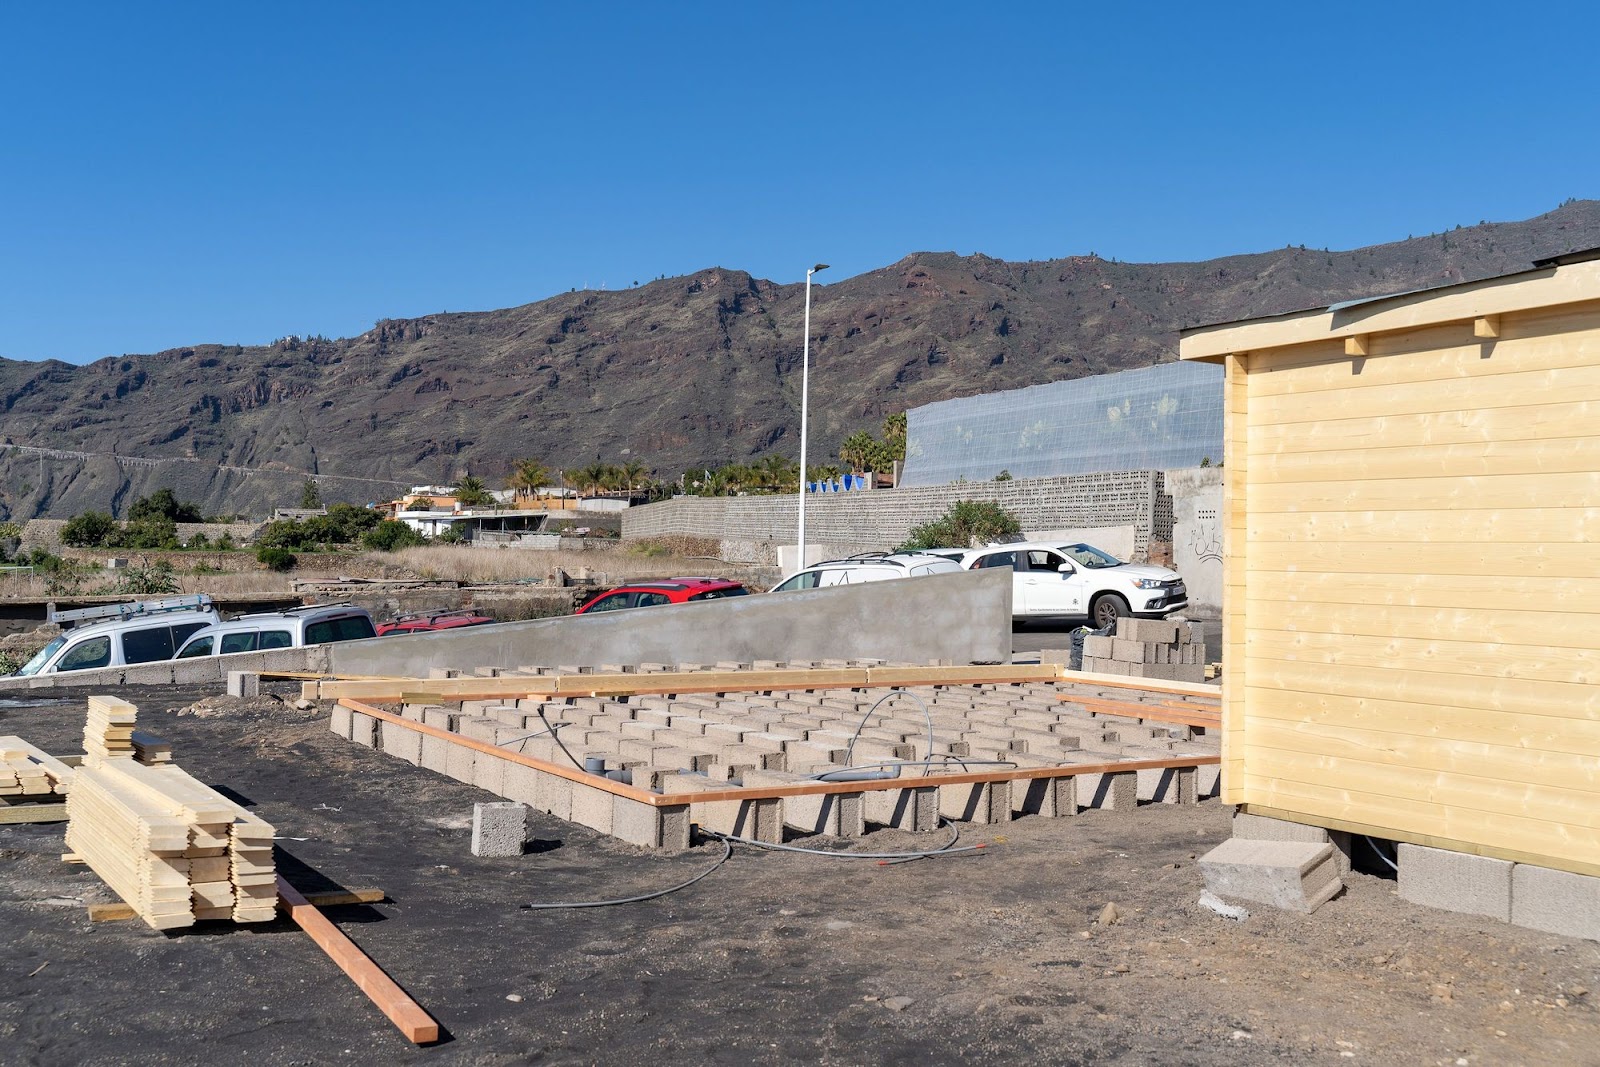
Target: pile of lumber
[173,848]
[28,774]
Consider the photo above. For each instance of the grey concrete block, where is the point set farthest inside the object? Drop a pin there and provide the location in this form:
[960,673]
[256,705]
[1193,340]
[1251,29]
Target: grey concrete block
[976,802]
[1148,630]
[1291,875]
[436,750]
[499,829]
[1127,651]
[553,793]
[1172,785]
[401,742]
[1261,828]
[1117,791]
[1098,647]
[1557,902]
[649,826]
[1455,881]
[521,784]
[914,809]
[339,721]
[363,729]
[198,670]
[244,684]
[1055,798]
[592,807]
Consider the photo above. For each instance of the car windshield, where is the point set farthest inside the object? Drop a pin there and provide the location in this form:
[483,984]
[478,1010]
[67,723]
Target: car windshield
[1090,557]
[43,656]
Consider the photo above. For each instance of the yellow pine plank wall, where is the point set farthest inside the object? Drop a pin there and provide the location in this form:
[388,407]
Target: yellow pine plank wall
[1413,585]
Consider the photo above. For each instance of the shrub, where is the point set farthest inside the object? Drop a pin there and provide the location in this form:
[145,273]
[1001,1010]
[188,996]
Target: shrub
[162,504]
[390,534]
[89,530]
[275,558]
[967,524]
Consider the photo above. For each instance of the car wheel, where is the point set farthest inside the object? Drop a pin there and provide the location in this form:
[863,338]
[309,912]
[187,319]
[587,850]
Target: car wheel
[1107,609]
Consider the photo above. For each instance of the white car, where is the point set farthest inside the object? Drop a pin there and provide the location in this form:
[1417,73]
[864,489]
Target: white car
[866,567]
[314,625]
[1052,578]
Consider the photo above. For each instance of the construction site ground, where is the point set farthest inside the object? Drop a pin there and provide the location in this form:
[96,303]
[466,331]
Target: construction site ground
[997,956]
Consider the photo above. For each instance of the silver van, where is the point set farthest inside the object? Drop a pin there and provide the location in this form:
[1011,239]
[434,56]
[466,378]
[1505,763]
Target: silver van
[316,624]
[137,632]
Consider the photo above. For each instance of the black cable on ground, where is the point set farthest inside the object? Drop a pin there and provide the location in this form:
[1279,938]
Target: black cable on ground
[727,852]
[947,849]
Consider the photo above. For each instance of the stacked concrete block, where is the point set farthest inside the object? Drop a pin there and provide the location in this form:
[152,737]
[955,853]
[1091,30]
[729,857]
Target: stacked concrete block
[1148,648]
[1291,875]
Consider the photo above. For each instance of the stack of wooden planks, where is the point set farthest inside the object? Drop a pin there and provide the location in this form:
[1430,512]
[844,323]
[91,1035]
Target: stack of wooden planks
[28,774]
[173,848]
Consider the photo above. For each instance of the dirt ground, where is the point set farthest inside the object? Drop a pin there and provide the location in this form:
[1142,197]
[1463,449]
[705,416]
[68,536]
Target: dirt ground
[773,958]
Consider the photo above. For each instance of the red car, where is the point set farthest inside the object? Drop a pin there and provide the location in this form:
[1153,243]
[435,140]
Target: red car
[423,622]
[648,594]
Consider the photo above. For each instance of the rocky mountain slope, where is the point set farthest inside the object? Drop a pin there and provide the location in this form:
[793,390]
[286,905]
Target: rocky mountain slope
[680,373]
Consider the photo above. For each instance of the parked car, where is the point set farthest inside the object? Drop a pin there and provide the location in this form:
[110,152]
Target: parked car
[136,632]
[666,591]
[866,567]
[1051,578]
[425,622]
[316,624]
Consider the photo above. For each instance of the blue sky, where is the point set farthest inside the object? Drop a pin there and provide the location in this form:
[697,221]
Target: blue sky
[175,174]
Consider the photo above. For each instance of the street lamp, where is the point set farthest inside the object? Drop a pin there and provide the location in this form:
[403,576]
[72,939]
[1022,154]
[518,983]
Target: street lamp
[805,411]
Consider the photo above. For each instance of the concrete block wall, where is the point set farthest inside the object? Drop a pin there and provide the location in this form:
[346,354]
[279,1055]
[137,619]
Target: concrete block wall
[695,743]
[755,526]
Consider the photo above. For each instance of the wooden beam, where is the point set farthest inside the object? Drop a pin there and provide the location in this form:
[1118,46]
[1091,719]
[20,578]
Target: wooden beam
[101,913]
[11,814]
[1359,345]
[1486,327]
[415,1023]
[805,789]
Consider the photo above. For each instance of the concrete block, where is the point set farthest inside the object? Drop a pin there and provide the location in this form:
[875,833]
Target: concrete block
[1455,881]
[1171,785]
[1117,791]
[1126,651]
[977,802]
[143,674]
[244,684]
[436,750]
[521,784]
[1097,647]
[592,807]
[1148,631]
[1557,902]
[339,721]
[199,670]
[1261,828]
[1054,798]
[459,762]
[553,793]
[1291,875]
[363,729]
[759,820]
[649,826]
[904,809]
[499,829]
[401,742]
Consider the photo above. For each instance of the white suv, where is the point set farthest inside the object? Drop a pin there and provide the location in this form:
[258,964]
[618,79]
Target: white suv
[1052,578]
[314,625]
[866,567]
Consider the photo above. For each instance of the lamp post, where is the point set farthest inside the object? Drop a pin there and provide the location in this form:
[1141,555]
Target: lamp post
[805,411]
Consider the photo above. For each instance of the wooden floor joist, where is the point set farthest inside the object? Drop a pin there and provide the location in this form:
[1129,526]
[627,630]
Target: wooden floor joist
[101,913]
[788,679]
[406,1014]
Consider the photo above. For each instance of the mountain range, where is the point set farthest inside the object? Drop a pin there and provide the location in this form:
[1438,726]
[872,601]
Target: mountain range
[680,373]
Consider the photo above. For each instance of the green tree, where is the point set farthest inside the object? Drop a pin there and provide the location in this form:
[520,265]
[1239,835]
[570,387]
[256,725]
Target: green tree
[275,558]
[150,531]
[968,524]
[471,492]
[163,504]
[89,530]
[389,535]
[310,495]
[529,477]
[858,450]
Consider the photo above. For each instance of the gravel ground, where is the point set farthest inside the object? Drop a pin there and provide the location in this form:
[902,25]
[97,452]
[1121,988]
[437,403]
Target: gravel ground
[994,956]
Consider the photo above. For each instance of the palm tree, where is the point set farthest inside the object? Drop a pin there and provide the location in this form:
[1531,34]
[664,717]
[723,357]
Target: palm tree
[471,492]
[529,477]
[591,478]
[634,474]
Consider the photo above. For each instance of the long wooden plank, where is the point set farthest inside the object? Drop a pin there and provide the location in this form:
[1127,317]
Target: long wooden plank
[1504,626]
[1566,700]
[100,913]
[1471,570]
[414,1022]
[1577,523]
[1530,659]
[15,814]
[1574,450]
